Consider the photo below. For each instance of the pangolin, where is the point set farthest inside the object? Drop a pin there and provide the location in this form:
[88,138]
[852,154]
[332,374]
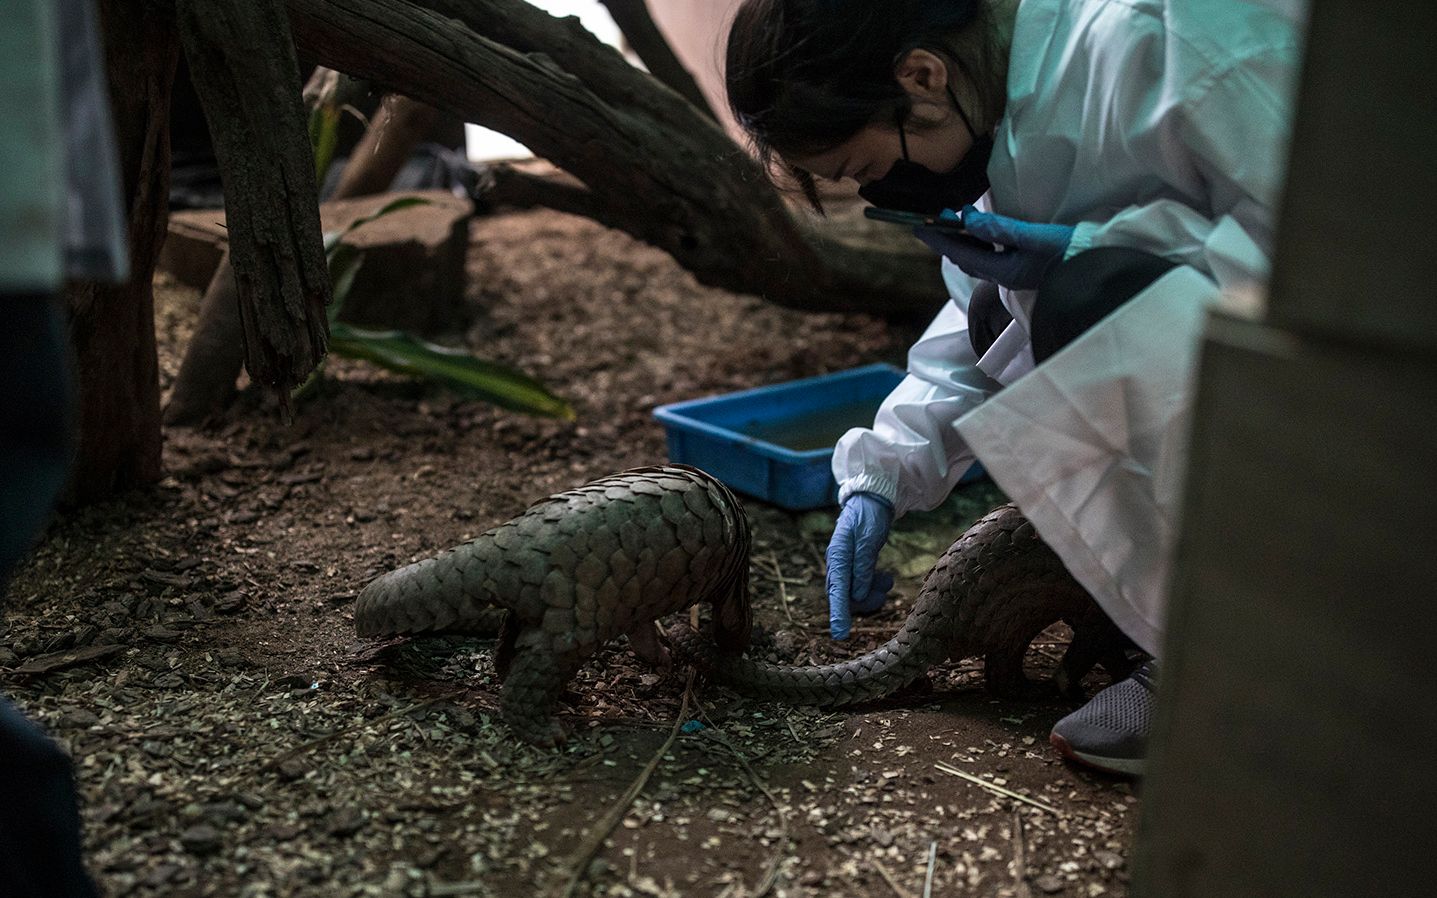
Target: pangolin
[613,556]
[573,572]
[990,594]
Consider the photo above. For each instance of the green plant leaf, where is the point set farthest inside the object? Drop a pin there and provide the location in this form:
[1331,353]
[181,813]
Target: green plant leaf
[345,261]
[310,383]
[344,264]
[324,138]
[333,239]
[456,369]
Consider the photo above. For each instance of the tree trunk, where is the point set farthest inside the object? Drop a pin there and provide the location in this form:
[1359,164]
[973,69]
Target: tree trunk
[244,69]
[112,327]
[634,20]
[656,166]
[215,353]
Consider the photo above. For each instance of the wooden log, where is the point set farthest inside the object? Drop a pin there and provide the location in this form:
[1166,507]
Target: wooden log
[413,274]
[206,381]
[398,129]
[244,69]
[637,24]
[659,168]
[112,328]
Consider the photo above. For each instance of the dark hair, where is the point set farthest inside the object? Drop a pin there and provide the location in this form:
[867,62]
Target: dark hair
[805,76]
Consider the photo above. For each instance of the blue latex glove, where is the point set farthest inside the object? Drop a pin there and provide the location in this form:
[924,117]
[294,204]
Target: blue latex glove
[854,587]
[1026,252]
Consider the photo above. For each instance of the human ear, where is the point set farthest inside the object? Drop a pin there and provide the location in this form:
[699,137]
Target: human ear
[924,75]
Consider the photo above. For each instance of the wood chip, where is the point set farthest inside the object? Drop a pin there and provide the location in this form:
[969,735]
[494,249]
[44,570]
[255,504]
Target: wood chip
[45,664]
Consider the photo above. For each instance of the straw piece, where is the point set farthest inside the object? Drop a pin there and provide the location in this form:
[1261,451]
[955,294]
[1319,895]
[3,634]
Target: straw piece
[996,789]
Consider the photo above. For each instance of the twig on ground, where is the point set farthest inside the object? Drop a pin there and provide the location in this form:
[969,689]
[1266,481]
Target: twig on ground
[818,556]
[892,883]
[791,731]
[932,863]
[1020,858]
[782,588]
[996,789]
[595,839]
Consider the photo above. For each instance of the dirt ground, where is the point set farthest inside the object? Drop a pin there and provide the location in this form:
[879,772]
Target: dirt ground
[233,737]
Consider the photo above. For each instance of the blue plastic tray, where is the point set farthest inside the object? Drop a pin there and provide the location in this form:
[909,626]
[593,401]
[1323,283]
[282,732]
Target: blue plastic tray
[776,443]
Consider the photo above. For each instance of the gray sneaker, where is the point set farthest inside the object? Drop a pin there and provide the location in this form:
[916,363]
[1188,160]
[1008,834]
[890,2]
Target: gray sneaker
[1110,732]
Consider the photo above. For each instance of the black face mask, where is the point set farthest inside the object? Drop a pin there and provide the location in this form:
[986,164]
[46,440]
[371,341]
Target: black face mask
[910,187]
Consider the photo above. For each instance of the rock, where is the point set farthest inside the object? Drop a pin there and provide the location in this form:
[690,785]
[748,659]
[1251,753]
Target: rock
[1110,860]
[346,821]
[1049,884]
[160,875]
[145,811]
[413,277]
[201,839]
[293,769]
[78,719]
[282,832]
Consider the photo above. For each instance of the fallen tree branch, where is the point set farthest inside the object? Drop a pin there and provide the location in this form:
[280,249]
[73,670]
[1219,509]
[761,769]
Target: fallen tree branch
[637,24]
[514,187]
[657,167]
[397,131]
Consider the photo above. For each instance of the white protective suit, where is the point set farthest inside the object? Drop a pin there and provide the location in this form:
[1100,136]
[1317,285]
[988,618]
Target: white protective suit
[1159,125]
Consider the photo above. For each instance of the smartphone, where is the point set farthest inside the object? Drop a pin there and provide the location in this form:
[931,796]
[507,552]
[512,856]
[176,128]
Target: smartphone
[913,219]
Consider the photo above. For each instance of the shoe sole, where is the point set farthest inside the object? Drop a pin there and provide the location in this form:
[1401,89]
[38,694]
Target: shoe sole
[1121,766]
